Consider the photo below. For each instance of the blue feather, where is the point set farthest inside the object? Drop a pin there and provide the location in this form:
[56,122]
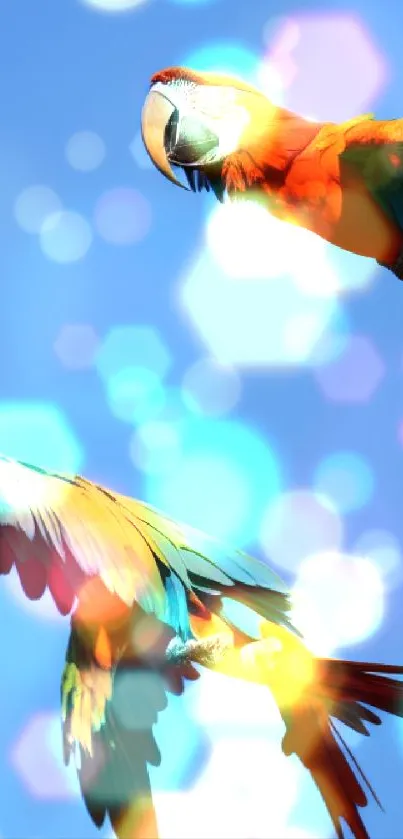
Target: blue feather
[176,608]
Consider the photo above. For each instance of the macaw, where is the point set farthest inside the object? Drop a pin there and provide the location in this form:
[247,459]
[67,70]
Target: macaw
[145,594]
[343,182]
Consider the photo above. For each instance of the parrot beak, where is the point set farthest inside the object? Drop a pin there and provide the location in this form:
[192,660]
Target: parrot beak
[156,115]
[174,135]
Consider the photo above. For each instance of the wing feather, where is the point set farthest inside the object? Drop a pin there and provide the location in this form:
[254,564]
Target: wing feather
[74,532]
[375,149]
[60,531]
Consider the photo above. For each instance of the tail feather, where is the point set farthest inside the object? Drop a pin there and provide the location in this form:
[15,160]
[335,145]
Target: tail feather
[353,684]
[311,738]
[355,716]
[341,690]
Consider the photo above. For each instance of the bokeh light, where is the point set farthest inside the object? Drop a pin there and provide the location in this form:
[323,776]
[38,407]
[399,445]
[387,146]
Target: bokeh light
[34,205]
[247,242]
[37,758]
[250,322]
[134,394]
[76,345]
[346,478]
[224,479]
[236,714]
[239,802]
[122,216]
[247,709]
[39,434]
[85,151]
[176,816]
[305,51]
[174,411]
[155,447]
[297,524]
[132,346]
[224,57]
[355,375]
[384,551]
[113,6]
[327,590]
[65,236]
[211,388]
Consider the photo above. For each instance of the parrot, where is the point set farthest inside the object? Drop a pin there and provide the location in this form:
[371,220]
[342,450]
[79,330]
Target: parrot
[342,182]
[146,596]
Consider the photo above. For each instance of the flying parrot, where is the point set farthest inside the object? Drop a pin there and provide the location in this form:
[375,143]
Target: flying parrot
[147,595]
[343,182]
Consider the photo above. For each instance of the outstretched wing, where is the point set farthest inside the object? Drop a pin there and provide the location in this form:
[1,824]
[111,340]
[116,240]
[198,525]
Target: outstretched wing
[108,719]
[213,571]
[59,532]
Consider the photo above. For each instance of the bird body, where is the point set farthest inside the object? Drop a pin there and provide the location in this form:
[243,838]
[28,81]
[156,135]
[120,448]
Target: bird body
[145,595]
[343,182]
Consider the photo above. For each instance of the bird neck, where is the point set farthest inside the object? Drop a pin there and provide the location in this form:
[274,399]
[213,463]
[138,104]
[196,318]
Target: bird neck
[276,136]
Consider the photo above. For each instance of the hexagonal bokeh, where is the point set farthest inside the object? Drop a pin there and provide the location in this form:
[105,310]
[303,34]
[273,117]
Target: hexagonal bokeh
[215,460]
[223,56]
[85,151]
[355,375]
[135,394]
[235,782]
[37,758]
[384,550]
[155,447]
[65,236]
[297,524]
[259,320]
[305,52]
[132,346]
[346,478]
[76,345]
[38,433]
[122,216]
[34,205]
[113,6]
[250,710]
[210,388]
[330,584]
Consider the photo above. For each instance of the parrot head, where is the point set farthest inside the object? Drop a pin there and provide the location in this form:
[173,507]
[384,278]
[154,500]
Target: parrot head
[194,121]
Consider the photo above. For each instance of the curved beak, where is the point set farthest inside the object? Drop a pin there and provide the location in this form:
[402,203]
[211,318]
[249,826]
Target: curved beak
[155,116]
